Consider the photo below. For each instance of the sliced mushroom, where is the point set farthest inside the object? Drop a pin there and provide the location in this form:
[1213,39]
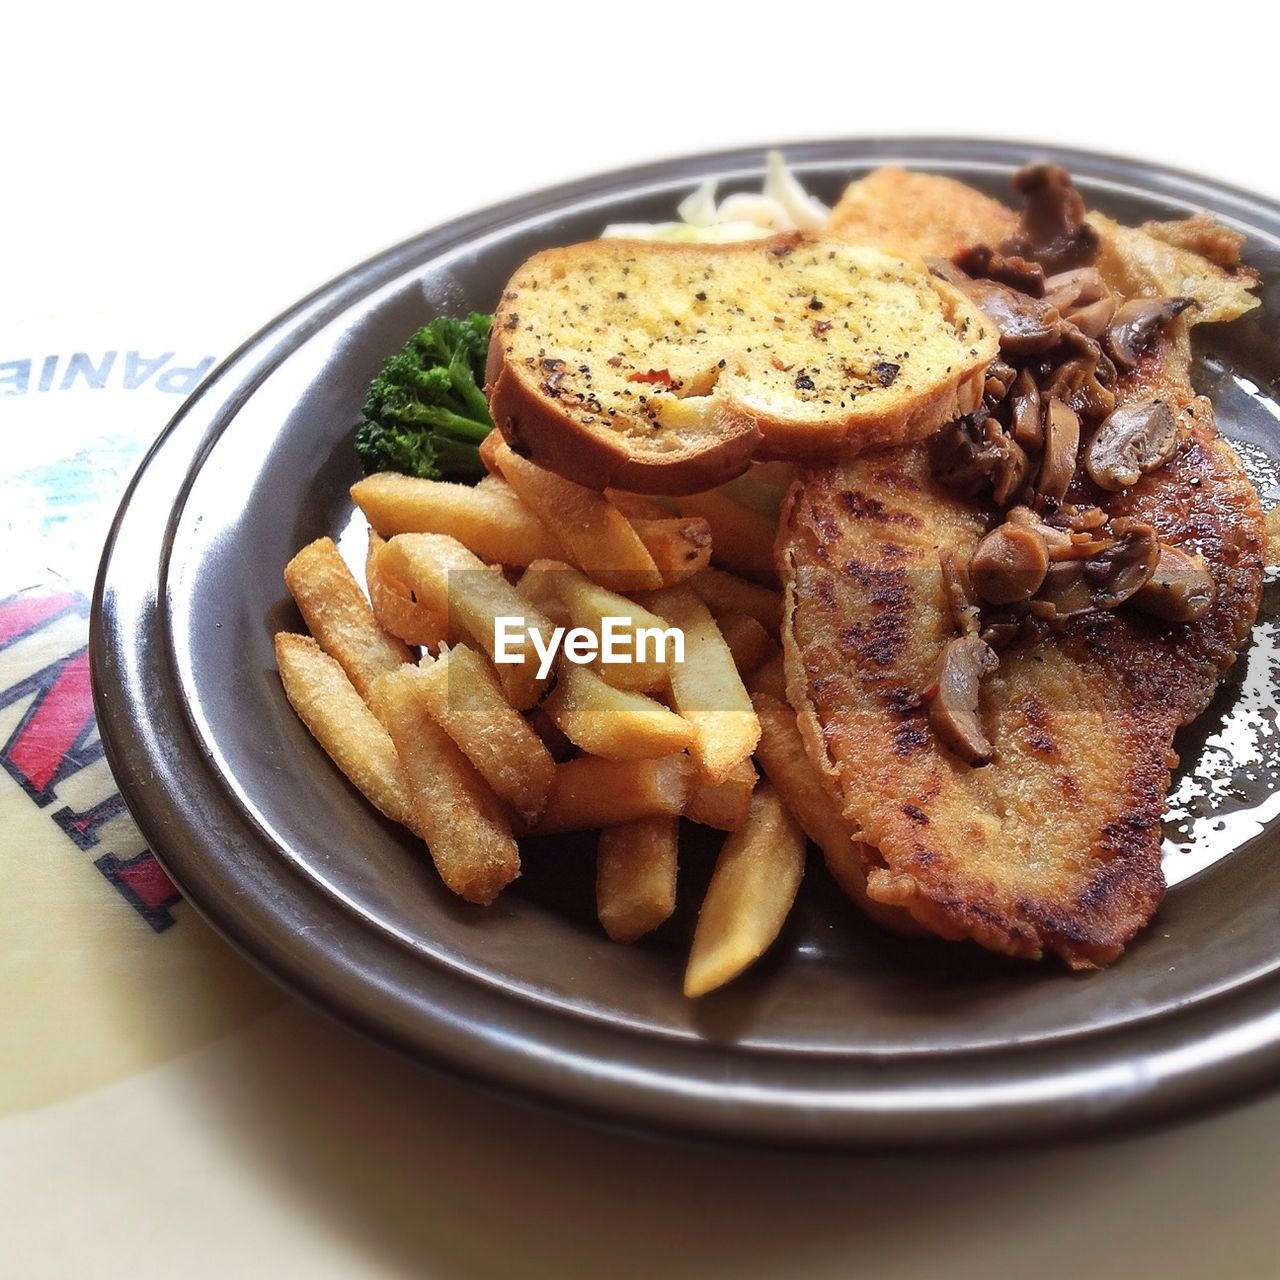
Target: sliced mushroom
[1025,413]
[1079,547]
[954,695]
[1180,589]
[1078,519]
[1086,372]
[1027,325]
[1083,298]
[1009,564]
[1002,627]
[1061,444]
[1064,593]
[1132,442]
[961,458]
[981,261]
[1019,273]
[1122,568]
[947,270]
[1076,288]
[1093,318]
[976,452]
[1057,541]
[1116,569]
[1075,382]
[1053,231]
[1000,377]
[1013,469]
[959,592]
[1136,323]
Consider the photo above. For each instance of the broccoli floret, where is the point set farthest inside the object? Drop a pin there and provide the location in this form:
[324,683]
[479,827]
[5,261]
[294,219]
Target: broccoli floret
[425,413]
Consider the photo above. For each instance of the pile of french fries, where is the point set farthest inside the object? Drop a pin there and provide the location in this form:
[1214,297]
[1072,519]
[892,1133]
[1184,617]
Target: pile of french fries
[402,690]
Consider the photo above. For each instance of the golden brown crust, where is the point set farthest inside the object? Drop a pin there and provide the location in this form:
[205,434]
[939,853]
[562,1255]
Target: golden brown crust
[898,211]
[1056,846]
[1137,263]
[785,440]
[536,431]
[1201,234]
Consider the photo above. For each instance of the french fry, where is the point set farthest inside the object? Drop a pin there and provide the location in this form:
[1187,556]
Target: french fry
[725,804]
[636,876]
[614,724]
[706,687]
[550,736]
[538,585]
[338,615]
[778,473]
[748,641]
[635,506]
[445,576]
[787,765]
[487,519]
[724,592]
[341,722]
[594,533]
[680,545]
[761,487]
[489,448]
[588,792]
[751,891]
[741,539]
[769,678]
[461,820]
[394,607]
[589,604]
[464,697]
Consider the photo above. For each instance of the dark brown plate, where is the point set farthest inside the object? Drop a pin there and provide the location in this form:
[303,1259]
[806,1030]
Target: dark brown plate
[843,1036]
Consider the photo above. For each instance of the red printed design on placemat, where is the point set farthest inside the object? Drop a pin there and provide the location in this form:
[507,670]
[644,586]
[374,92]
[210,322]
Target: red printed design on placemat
[50,742]
[57,738]
[22,614]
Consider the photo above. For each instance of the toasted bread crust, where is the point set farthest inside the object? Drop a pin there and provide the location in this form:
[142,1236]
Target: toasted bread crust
[788,440]
[742,415]
[531,426]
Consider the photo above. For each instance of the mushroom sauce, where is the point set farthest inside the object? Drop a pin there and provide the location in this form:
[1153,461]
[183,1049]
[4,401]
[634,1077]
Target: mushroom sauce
[1049,420]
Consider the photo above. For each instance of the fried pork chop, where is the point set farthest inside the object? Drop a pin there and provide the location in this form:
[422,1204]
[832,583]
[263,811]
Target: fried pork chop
[1054,846]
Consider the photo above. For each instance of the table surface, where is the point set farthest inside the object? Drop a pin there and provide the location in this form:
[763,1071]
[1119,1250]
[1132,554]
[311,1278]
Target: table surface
[174,180]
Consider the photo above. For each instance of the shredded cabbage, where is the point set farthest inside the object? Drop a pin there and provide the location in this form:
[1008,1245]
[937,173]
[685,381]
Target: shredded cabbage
[699,208]
[781,184]
[783,205]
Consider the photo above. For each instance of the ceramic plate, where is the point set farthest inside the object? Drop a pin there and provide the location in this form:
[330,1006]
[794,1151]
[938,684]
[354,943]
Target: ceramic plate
[842,1036]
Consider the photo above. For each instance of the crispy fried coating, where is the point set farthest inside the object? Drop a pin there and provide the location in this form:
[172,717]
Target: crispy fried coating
[919,214]
[1055,846]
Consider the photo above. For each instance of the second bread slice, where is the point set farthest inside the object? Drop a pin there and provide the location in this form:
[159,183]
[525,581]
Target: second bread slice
[665,368]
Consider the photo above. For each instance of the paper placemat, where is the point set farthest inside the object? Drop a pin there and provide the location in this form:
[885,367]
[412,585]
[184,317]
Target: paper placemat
[105,970]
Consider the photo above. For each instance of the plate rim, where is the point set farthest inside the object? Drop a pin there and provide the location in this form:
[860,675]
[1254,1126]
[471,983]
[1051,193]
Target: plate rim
[220,859]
